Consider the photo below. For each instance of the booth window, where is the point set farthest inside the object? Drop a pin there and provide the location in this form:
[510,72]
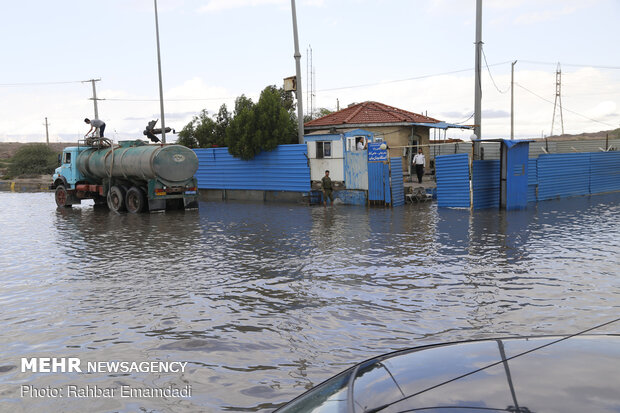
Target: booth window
[323,149]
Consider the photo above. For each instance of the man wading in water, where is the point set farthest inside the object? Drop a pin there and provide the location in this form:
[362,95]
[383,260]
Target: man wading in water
[326,182]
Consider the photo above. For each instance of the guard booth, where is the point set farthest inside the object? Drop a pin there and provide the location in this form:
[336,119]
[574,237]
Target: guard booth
[513,174]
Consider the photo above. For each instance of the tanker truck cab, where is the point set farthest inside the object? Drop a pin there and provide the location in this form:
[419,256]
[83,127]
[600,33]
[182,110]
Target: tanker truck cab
[66,176]
[130,175]
[67,173]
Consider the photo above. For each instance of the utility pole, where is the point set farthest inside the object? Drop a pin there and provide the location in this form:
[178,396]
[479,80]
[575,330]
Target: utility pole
[47,134]
[512,100]
[94,98]
[300,109]
[161,92]
[558,96]
[478,86]
[310,90]
[307,78]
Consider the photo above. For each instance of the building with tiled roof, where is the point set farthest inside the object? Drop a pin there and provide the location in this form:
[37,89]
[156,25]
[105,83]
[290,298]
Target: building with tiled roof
[367,114]
[399,128]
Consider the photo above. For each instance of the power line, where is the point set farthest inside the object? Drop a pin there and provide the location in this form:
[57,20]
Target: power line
[39,83]
[570,64]
[168,100]
[564,107]
[490,75]
[463,121]
[407,79]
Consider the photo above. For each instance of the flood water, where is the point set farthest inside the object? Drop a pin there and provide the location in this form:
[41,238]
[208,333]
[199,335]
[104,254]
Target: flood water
[266,300]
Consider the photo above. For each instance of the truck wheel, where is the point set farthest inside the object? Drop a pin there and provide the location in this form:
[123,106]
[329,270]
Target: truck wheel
[61,197]
[116,199]
[135,200]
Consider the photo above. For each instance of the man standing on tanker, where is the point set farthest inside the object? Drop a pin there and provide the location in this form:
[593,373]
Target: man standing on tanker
[94,125]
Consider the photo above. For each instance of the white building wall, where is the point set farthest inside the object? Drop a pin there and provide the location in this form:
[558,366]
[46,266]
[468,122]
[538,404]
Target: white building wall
[334,164]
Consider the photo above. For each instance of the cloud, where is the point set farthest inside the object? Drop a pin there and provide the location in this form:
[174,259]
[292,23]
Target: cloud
[494,114]
[219,5]
[24,111]
[455,114]
[178,115]
[314,3]
[544,16]
[607,109]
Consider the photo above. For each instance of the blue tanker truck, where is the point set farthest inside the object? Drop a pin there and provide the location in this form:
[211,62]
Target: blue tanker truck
[131,175]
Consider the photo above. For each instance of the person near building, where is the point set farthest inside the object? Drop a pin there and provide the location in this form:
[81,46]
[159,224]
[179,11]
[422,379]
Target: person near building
[326,183]
[418,163]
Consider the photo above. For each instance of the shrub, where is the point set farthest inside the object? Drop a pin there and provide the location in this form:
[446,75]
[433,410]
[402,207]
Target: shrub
[33,159]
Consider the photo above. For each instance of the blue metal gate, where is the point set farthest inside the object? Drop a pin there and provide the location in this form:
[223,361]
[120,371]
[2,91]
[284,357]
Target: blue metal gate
[452,173]
[485,183]
[385,182]
[376,187]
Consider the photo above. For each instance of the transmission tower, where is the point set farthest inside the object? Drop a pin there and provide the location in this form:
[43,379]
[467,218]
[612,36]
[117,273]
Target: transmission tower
[558,98]
[310,83]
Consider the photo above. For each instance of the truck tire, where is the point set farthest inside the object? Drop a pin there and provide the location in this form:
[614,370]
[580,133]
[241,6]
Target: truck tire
[62,197]
[116,199]
[135,200]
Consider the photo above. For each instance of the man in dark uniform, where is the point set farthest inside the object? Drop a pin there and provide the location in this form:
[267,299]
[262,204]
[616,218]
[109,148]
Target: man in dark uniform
[326,182]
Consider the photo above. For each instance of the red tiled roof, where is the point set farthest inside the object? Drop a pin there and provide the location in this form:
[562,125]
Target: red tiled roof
[366,113]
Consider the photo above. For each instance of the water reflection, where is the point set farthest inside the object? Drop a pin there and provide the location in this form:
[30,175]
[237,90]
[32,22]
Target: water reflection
[265,300]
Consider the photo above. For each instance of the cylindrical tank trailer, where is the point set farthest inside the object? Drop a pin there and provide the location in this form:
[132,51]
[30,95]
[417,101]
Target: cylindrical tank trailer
[132,176]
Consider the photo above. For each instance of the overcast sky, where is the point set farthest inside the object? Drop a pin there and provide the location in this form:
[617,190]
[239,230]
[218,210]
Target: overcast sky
[413,54]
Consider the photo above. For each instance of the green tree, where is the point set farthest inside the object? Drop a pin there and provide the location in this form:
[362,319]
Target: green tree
[241,103]
[222,121]
[240,132]
[261,126]
[318,113]
[202,132]
[287,98]
[33,159]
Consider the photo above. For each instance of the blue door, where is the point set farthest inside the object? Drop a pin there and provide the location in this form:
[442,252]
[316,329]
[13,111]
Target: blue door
[356,169]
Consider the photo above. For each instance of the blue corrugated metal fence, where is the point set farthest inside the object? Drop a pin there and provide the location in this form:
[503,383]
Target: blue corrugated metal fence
[549,176]
[398,184]
[563,175]
[452,172]
[283,169]
[604,172]
[532,179]
[485,183]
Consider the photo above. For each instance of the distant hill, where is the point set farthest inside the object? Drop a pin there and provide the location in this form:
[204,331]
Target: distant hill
[613,134]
